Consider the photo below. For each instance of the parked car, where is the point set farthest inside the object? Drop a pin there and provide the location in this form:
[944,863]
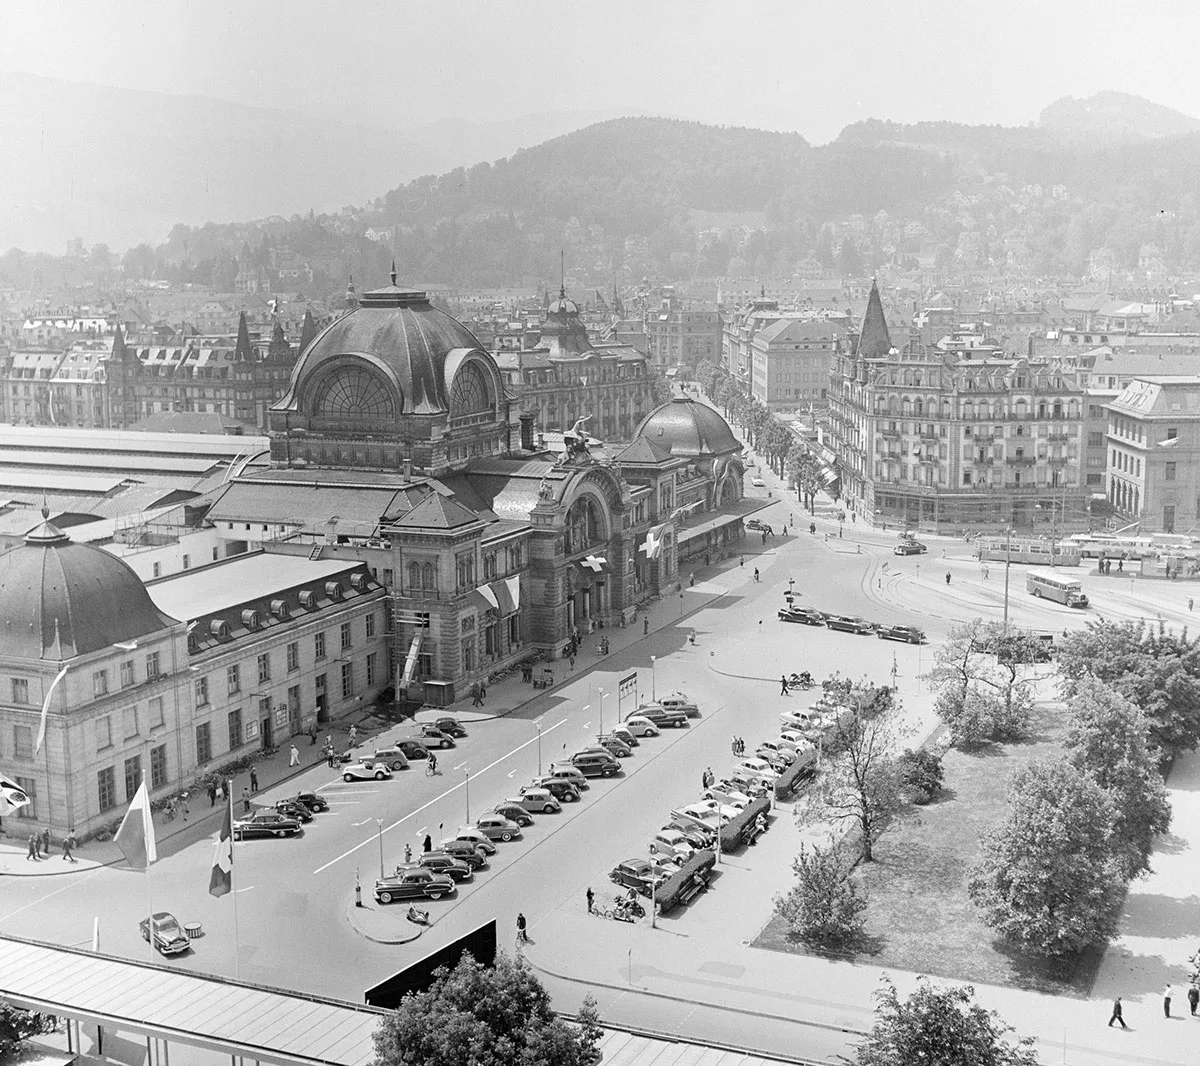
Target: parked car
[432,737]
[169,937]
[695,835]
[514,812]
[596,763]
[910,547]
[265,824]
[676,701]
[622,733]
[638,874]
[366,770]
[314,801]
[464,850]
[641,726]
[757,481]
[742,780]
[911,634]
[408,747]
[794,740]
[394,756]
[535,800]
[615,746]
[661,717]
[761,768]
[294,810]
[773,747]
[413,883]
[559,787]
[756,523]
[703,819]
[730,796]
[808,616]
[798,720]
[477,837]
[670,844]
[458,870]
[723,810]
[850,624]
[452,727]
[567,771]
[775,759]
[497,827]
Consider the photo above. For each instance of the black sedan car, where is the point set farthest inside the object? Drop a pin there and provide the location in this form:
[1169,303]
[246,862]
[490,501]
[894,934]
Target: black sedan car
[638,874]
[441,863]
[451,727]
[293,809]
[663,717]
[909,634]
[464,850]
[265,824]
[850,624]
[808,616]
[910,547]
[314,801]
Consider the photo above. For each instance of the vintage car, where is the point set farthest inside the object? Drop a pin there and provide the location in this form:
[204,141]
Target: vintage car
[413,883]
[169,938]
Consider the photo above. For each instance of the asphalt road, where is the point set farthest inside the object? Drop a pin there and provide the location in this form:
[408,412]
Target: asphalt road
[292,895]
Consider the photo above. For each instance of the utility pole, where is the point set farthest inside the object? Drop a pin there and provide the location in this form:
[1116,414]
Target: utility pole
[1007,568]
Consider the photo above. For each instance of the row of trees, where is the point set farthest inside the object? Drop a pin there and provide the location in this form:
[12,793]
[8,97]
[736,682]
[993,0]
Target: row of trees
[786,454]
[1077,828]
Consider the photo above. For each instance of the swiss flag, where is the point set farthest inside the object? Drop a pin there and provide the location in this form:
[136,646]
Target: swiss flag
[220,881]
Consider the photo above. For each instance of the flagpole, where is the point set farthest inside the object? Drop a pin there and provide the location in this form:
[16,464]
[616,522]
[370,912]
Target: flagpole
[237,952]
[149,894]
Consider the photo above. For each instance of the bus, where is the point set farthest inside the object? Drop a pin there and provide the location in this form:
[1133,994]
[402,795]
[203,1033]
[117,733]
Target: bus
[1028,550]
[1110,546]
[1066,590]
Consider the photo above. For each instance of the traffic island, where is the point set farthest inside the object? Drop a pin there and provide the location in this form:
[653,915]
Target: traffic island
[379,923]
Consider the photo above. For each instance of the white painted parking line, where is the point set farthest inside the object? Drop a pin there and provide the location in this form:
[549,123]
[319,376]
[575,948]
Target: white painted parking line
[460,766]
[437,799]
[511,772]
[587,725]
[357,824]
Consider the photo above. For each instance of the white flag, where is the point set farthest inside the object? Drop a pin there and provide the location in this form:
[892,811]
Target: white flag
[135,838]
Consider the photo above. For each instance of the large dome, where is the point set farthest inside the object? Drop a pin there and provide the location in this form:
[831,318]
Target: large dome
[686,427]
[395,354]
[59,599]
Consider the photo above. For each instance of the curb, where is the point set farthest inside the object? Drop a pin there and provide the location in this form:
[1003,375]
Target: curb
[65,873]
[746,1011]
[417,929]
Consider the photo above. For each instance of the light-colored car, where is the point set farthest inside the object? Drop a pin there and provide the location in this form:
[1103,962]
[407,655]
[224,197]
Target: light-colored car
[799,720]
[729,796]
[757,482]
[394,757]
[536,801]
[775,759]
[795,740]
[744,781]
[726,811]
[774,748]
[497,827]
[366,770]
[701,819]
[695,835]
[475,836]
[671,844]
[568,772]
[621,733]
[641,727]
[761,769]
[169,938]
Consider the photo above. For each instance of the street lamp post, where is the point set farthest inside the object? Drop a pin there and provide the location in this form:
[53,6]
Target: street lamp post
[539,729]
[653,893]
[601,691]
[1007,568]
[653,679]
[791,588]
[379,823]
[467,782]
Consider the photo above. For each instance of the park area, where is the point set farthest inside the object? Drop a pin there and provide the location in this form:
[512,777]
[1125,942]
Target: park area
[919,917]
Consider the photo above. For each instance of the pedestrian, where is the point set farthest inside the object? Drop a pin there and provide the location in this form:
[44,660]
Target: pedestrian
[33,848]
[571,661]
[183,796]
[427,847]
[741,560]
[691,579]
[1120,566]
[312,735]
[812,528]
[783,685]
[646,626]
[212,793]
[223,790]
[985,574]
[522,936]
[1191,603]
[756,573]
[482,691]
[69,847]
[474,690]
[432,767]
[1116,1014]
[329,756]
[353,735]
[253,779]
[1193,996]
[947,577]
[407,854]
[591,896]
[733,745]
[46,842]
[1168,992]
[246,800]
[294,760]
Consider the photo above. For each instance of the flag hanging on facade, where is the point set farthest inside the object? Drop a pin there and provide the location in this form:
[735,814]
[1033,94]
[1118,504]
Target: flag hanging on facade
[135,838]
[220,881]
[46,707]
[12,796]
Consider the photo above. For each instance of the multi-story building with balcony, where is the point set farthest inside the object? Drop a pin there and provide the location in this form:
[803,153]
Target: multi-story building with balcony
[952,438]
[677,335]
[789,363]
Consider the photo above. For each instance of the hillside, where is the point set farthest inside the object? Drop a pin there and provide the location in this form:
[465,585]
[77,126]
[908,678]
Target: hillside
[1117,116]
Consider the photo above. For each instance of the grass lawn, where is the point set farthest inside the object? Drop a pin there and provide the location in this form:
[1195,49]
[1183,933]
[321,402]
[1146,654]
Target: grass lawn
[919,917]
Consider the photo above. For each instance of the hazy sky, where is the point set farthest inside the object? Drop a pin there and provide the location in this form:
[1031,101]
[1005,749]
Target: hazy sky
[807,65]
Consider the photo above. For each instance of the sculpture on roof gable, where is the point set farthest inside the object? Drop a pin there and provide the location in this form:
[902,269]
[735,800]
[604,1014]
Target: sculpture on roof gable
[575,443]
[545,490]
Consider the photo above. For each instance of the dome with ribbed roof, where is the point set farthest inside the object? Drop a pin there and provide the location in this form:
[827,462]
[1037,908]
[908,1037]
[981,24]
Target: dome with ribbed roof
[686,427]
[59,599]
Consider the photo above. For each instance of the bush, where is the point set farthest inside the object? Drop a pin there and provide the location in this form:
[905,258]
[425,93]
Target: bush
[824,907]
[921,773]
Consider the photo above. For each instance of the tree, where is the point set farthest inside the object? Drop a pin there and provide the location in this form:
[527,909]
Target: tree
[921,772]
[485,1016]
[1049,877]
[17,1026]
[1110,738]
[938,1026]
[863,785]
[824,907]
[805,473]
[1155,669]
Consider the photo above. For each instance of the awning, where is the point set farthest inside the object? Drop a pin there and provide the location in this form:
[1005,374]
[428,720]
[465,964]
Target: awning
[593,564]
[716,522]
[706,522]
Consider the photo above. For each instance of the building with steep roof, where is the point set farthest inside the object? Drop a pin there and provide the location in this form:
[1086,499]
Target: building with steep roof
[789,363]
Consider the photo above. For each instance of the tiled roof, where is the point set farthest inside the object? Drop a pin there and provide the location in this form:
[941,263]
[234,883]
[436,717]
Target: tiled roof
[643,451]
[435,512]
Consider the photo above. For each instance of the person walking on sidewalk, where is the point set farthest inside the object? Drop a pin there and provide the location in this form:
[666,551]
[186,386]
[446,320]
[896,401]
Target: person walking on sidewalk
[756,574]
[212,794]
[646,626]
[522,936]
[69,848]
[590,898]
[427,847]
[33,848]
[482,691]
[1168,992]
[183,797]
[1116,1014]
[46,841]
[407,854]
[312,735]
[476,699]
[253,779]
[353,735]
[783,685]
[246,800]
[294,760]
[1193,996]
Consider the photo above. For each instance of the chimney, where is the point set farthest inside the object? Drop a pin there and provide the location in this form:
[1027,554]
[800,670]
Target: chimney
[408,470]
[527,433]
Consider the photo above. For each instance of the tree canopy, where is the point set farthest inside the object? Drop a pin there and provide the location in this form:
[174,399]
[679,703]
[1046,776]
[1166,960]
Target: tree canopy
[476,1015]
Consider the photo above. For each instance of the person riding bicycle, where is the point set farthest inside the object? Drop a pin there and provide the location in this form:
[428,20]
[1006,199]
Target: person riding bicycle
[431,768]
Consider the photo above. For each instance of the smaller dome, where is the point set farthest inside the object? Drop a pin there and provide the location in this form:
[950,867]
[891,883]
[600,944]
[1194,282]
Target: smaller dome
[686,427]
[564,305]
[59,599]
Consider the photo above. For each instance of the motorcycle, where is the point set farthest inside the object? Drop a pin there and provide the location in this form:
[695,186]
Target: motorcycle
[803,680]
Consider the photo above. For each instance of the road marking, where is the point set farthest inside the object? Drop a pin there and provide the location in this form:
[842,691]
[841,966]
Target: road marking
[436,799]
[510,773]
[422,831]
[355,825]
[248,888]
[460,766]
[72,882]
[587,725]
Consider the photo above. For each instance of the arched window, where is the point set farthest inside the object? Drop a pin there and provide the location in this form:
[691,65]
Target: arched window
[414,575]
[585,525]
[428,576]
[471,393]
[355,393]
[920,407]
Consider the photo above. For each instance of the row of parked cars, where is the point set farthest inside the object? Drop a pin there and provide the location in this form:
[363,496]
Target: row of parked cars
[459,857]
[850,624]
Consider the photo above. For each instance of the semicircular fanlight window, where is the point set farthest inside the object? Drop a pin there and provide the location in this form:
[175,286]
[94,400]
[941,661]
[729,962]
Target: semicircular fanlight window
[470,393]
[356,393]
